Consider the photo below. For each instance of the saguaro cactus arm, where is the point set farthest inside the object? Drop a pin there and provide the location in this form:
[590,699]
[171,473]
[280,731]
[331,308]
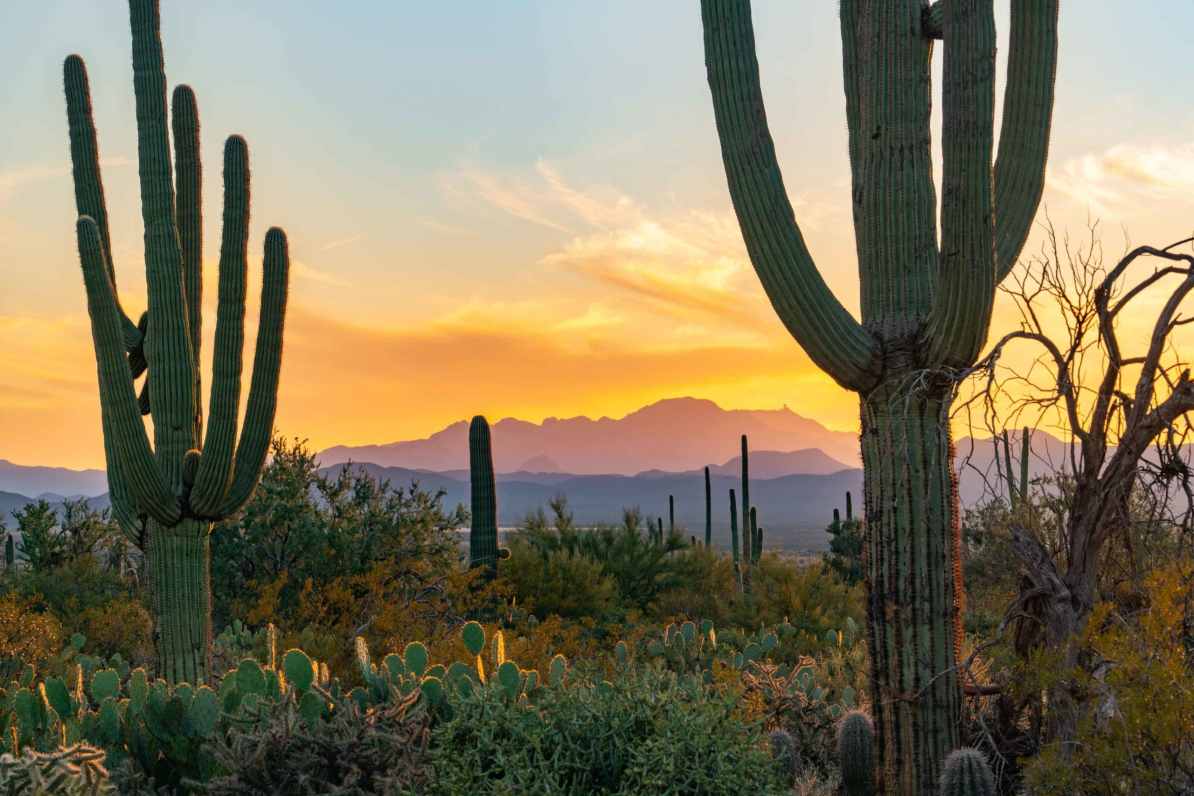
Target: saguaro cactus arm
[189,181]
[961,313]
[172,386]
[805,304]
[85,168]
[267,367]
[118,402]
[1026,126]
[216,466]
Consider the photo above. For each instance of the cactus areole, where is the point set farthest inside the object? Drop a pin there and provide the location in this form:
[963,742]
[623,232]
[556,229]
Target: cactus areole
[483,534]
[167,495]
[926,297]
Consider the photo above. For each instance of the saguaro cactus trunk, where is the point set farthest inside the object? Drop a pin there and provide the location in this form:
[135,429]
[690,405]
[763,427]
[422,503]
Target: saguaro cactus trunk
[708,510]
[166,496]
[483,534]
[926,306]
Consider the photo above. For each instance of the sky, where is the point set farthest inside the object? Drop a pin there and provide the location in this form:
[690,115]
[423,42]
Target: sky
[515,209]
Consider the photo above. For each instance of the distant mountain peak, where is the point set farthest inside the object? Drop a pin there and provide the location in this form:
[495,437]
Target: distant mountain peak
[674,434]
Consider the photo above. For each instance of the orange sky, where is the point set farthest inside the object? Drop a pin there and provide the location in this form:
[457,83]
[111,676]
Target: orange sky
[543,232]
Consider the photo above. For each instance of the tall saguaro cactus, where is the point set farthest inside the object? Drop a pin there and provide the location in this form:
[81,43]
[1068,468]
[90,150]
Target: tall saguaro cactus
[708,510]
[926,306]
[483,534]
[747,529]
[168,494]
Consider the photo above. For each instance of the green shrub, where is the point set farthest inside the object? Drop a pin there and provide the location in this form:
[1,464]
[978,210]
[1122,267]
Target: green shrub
[561,582]
[650,731]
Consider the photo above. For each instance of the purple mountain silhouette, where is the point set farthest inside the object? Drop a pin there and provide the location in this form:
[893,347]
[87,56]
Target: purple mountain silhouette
[676,435]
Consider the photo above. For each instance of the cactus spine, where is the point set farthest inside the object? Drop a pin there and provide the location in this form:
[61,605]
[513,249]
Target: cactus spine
[483,533]
[708,510]
[925,307]
[966,773]
[855,749]
[167,495]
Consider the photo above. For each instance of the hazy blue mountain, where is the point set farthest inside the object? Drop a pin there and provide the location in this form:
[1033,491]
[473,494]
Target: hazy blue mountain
[36,480]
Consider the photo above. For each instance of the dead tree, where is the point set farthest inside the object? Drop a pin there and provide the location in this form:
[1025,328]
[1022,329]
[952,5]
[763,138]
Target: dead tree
[1125,405]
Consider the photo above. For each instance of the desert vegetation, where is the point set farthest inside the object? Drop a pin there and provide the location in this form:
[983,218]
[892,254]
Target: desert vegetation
[241,620]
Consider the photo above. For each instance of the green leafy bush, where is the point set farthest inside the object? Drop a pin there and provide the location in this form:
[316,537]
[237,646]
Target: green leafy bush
[649,731]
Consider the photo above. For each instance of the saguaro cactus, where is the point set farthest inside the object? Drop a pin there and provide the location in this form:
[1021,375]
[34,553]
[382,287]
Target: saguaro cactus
[671,514]
[1017,492]
[167,495]
[925,307]
[483,534]
[708,510]
[734,535]
[747,528]
[967,774]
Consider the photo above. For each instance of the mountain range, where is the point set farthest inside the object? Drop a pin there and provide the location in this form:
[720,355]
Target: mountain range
[800,470]
[673,435]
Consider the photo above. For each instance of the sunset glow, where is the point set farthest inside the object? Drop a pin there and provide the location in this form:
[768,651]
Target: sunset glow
[517,209]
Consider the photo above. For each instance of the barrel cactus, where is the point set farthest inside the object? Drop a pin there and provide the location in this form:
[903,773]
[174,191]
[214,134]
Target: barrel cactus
[167,495]
[926,298]
[483,534]
[856,756]
[967,774]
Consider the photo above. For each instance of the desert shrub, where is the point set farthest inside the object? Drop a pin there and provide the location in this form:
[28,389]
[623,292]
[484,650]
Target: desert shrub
[381,749]
[563,583]
[1141,736]
[648,731]
[28,637]
[812,600]
[303,527]
[121,627]
[704,587]
[640,567]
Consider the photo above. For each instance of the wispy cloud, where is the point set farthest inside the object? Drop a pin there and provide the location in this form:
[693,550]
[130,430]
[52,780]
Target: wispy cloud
[1125,173]
[336,244]
[678,260]
[303,271]
[13,180]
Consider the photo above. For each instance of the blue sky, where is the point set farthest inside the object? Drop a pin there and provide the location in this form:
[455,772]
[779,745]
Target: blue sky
[515,208]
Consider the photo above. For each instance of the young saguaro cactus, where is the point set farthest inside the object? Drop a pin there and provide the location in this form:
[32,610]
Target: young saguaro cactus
[925,298]
[967,773]
[747,528]
[855,749]
[708,510]
[483,534]
[167,495]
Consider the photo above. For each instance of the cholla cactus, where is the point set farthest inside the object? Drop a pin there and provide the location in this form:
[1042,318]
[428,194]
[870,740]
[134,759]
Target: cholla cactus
[967,774]
[166,495]
[926,296]
[76,770]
